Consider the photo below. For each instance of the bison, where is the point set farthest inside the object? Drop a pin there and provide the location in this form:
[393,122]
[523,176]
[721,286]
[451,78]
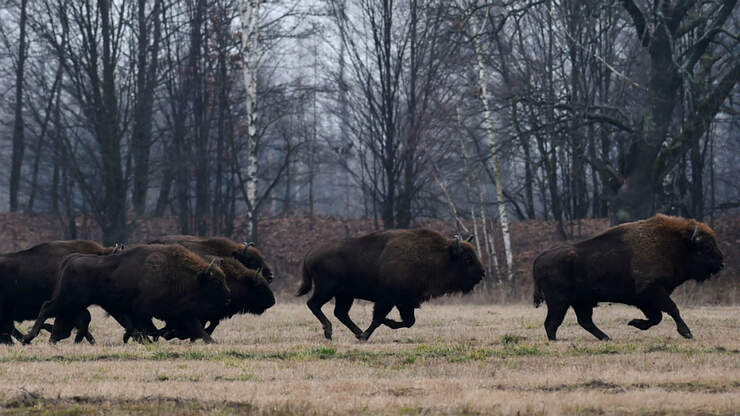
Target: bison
[168,282]
[27,279]
[638,263]
[400,268]
[246,253]
[250,293]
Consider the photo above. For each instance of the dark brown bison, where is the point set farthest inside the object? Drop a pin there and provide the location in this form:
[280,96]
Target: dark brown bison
[638,263]
[246,253]
[167,282]
[250,293]
[27,279]
[400,268]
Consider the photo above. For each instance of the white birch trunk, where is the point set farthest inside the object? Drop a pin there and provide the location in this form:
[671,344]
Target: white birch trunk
[491,142]
[249,12]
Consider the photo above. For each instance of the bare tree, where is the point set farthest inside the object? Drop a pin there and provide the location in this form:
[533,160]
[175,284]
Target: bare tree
[18,123]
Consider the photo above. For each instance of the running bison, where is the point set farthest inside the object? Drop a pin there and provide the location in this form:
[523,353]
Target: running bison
[250,293]
[400,268]
[246,253]
[638,263]
[27,279]
[167,282]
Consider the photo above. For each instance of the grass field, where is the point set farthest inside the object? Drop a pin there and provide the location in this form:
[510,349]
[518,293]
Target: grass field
[457,359]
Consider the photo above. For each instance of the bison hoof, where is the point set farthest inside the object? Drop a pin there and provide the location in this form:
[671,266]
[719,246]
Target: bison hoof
[686,334]
[637,323]
[363,337]
[327,333]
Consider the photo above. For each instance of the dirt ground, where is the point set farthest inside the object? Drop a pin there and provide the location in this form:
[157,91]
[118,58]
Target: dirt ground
[457,359]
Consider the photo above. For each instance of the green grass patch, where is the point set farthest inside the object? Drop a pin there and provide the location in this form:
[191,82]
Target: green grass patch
[510,339]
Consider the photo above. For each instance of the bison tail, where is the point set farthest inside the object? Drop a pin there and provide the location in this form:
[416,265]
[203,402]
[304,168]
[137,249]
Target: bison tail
[306,283]
[539,297]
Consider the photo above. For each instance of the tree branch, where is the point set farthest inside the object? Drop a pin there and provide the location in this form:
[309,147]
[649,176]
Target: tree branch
[695,127]
[638,18]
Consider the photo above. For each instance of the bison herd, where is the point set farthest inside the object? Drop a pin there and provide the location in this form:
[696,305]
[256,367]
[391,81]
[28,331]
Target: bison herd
[193,283]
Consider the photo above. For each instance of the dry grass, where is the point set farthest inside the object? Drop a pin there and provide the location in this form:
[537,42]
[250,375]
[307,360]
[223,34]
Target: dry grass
[457,359]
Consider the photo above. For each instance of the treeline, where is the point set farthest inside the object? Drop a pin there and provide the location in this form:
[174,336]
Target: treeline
[396,111]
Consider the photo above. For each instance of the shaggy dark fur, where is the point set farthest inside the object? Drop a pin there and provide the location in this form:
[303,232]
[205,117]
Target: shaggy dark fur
[400,268]
[246,253]
[27,279]
[638,263]
[168,282]
[250,293]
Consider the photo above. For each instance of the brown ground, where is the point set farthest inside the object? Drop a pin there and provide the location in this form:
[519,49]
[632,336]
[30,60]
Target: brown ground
[457,359]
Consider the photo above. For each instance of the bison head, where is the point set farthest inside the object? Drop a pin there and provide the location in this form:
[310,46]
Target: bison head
[257,296]
[252,258]
[704,256]
[466,264]
[212,284]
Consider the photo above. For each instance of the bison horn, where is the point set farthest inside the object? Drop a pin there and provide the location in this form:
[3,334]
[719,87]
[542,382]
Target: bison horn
[695,233]
[210,265]
[259,269]
[251,244]
[457,240]
[470,238]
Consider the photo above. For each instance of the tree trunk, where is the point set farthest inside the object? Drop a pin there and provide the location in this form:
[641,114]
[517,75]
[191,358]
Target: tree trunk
[200,125]
[249,13]
[493,159]
[18,123]
[113,221]
[146,74]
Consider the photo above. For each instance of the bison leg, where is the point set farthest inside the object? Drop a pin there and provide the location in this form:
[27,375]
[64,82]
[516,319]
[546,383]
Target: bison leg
[7,327]
[380,310]
[82,324]
[584,314]
[341,311]
[667,306]
[18,335]
[654,317]
[61,329]
[48,308]
[407,318]
[195,328]
[318,299]
[555,315]
[211,326]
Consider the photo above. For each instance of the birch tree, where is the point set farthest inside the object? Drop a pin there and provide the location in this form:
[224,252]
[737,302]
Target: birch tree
[249,13]
[491,145]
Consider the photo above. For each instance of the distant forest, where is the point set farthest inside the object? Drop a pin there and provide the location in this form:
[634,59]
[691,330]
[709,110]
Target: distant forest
[396,111]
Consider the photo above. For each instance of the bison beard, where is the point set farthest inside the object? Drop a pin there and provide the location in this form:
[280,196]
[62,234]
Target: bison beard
[400,268]
[638,264]
[168,282]
[27,279]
